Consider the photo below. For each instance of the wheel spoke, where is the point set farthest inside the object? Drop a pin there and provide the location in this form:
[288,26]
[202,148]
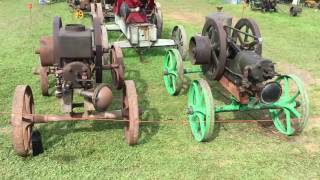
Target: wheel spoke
[247,29]
[293,98]
[173,82]
[215,59]
[288,121]
[203,126]
[295,113]
[286,87]
[240,39]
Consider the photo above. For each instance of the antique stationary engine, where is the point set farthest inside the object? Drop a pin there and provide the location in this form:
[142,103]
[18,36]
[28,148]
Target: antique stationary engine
[231,55]
[263,5]
[77,57]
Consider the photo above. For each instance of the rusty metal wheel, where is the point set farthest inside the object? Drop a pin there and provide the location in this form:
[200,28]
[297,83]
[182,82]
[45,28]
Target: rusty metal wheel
[244,41]
[100,14]
[214,30]
[93,10]
[44,81]
[117,70]
[130,111]
[157,19]
[99,49]
[21,121]
[96,11]
[179,35]
[57,25]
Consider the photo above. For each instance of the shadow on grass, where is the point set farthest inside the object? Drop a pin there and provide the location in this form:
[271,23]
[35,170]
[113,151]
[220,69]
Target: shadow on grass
[147,130]
[220,94]
[55,132]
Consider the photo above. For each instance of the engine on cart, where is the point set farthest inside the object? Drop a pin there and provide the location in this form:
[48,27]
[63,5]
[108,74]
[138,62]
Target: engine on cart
[74,54]
[263,5]
[237,57]
[231,55]
[85,4]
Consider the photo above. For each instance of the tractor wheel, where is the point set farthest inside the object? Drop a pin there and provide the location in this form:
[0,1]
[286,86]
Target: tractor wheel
[179,36]
[21,121]
[57,25]
[293,115]
[173,72]
[97,31]
[201,112]
[117,71]
[130,112]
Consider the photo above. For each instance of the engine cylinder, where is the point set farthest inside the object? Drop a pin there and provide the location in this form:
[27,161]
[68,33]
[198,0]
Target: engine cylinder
[259,69]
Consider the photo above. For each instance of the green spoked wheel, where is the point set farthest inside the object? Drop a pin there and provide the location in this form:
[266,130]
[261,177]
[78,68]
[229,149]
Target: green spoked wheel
[201,113]
[292,117]
[173,72]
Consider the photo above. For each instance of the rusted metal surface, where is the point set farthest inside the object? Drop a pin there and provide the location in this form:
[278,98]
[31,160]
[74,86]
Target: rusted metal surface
[200,50]
[44,82]
[100,14]
[100,97]
[249,26]
[217,35]
[130,112]
[77,74]
[233,89]
[99,49]
[57,25]
[75,41]
[116,61]
[102,116]
[46,51]
[21,126]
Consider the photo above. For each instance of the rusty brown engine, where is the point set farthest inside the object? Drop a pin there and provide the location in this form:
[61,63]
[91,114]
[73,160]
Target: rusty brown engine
[75,55]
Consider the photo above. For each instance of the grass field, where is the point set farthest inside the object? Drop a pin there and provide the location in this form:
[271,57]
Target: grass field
[167,150]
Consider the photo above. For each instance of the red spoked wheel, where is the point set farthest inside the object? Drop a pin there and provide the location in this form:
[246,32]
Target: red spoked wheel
[130,111]
[117,70]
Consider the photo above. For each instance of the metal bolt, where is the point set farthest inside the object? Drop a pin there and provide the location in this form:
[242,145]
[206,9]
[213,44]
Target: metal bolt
[189,110]
[165,72]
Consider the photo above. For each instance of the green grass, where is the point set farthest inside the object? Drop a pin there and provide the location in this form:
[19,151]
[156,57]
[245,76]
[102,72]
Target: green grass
[166,151]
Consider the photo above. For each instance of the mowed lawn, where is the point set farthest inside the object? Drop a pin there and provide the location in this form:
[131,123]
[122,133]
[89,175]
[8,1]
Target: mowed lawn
[166,150]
